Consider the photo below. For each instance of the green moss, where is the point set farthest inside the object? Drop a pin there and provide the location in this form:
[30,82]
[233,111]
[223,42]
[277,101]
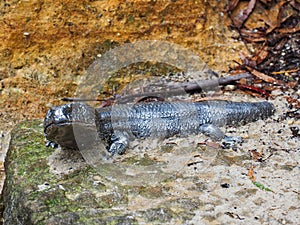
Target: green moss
[140,161]
[167,148]
[28,170]
[84,196]
[261,186]
[28,153]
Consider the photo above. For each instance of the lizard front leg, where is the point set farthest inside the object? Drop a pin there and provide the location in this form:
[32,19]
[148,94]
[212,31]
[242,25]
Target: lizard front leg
[120,142]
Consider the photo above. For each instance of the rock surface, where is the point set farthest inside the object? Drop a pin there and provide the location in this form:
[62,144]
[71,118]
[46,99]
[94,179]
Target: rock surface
[197,185]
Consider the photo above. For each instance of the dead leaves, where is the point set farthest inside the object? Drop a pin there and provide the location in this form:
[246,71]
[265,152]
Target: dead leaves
[263,17]
[243,14]
[293,102]
[272,28]
[263,76]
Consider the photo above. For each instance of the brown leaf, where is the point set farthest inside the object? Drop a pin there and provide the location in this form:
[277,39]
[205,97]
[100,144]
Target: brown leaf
[251,36]
[231,5]
[275,16]
[293,101]
[263,76]
[246,60]
[244,14]
[295,4]
[251,174]
[266,2]
[256,156]
[261,55]
[290,30]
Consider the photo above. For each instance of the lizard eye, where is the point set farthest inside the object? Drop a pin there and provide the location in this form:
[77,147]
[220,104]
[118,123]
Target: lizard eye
[67,110]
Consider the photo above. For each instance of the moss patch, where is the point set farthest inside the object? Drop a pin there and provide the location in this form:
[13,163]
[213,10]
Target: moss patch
[34,195]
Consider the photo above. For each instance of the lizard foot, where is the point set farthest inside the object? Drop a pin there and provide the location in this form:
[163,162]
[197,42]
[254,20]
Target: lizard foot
[117,148]
[51,144]
[119,144]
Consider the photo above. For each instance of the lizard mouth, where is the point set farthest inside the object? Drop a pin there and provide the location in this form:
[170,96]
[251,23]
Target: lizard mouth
[70,125]
[71,135]
[62,134]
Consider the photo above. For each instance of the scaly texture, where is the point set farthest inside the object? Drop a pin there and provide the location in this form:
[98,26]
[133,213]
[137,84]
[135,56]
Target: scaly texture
[120,123]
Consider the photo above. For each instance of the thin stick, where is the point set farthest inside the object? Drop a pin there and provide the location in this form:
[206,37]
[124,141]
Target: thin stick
[186,87]
[67,99]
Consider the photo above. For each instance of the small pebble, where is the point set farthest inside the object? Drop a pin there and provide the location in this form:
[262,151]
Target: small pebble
[290,122]
[97,178]
[61,187]
[230,87]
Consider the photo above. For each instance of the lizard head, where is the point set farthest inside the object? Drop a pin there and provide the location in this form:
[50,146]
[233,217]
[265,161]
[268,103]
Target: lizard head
[70,125]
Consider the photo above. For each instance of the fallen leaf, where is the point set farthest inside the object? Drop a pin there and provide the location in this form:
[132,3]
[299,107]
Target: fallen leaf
[251,174]
[261,55]
[253,36]
[263,76]
[256,156]
[295,4]
[292,101]
[246,60]
[275,16]
[244,14]
[290,30]
[232,5]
